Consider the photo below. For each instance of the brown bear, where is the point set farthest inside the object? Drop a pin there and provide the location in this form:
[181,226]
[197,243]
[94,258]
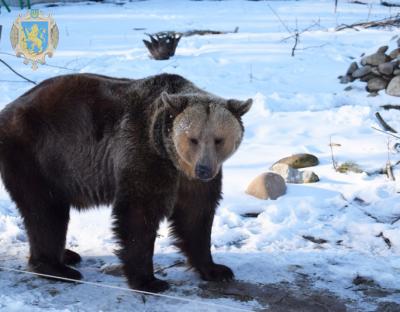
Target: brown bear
[153,148]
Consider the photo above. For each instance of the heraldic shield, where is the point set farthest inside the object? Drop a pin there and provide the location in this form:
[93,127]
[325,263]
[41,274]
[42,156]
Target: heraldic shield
[34,36]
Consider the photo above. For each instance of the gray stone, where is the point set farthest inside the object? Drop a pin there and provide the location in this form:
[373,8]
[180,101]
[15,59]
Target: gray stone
[348,88]
[376,84]
[301,160]
[394,86]
[362,71]
[375,71]
[292,175]
[375,59]
[386,68]
[346,79]
[352,68]
[268,185]
[368,77]
[394,53]
[396,72]
[382,49]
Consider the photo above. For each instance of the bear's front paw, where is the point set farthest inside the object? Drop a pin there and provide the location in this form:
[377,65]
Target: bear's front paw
[216,273]
[154,285]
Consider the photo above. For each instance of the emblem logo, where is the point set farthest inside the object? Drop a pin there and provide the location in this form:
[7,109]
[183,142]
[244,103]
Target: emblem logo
[33,36]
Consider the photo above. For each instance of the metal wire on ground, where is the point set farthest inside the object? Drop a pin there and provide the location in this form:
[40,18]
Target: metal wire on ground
[142,292]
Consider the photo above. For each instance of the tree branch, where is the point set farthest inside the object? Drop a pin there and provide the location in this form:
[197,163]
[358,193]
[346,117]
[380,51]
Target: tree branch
[19,75]
[384,124]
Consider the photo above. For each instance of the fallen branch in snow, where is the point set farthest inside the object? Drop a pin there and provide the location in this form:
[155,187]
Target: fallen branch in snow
[395,220]
[385,239]
[15,72]
[389,4]
[358,2]
[176,263]
[207,32]
[314,239]
[390,106]
[389,21]
[384,124]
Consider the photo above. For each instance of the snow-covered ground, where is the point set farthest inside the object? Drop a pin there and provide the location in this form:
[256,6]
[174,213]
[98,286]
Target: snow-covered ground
[299,105]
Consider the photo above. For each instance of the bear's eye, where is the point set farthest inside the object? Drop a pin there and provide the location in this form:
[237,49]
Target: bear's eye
[194,141]
[218,141]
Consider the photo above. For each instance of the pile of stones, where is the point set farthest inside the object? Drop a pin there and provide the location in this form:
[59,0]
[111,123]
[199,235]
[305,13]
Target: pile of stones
[271,185]
[379,70]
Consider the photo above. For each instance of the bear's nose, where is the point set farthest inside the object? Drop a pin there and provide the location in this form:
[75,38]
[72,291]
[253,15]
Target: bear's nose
[203,172]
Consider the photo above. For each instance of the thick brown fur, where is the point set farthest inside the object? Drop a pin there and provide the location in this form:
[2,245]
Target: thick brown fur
[86,140]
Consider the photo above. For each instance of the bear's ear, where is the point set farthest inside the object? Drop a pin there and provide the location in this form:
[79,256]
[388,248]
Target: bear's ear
[239,108]
[175,102]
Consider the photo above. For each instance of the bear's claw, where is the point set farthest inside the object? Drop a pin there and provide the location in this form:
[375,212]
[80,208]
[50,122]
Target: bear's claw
[216,273]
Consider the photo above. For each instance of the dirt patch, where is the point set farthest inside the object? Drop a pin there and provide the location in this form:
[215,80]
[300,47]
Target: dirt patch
[274,297]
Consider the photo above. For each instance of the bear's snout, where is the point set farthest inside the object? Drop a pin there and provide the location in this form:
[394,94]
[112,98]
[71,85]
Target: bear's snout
[203,172]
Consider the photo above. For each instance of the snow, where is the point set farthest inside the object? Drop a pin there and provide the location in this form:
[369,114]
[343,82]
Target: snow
[299,106]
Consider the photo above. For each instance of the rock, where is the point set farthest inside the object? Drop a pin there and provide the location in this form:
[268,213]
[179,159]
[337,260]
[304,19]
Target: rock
[362,71]
[368,77]
[352,68]
[375,71]
[292,175]
[393,87]
[394,54]
[386,68]
[298,161]
[346,79]
[268,185]
[348,88]
[382,49]
[398,42]
[374,59]
[376,84]
[396,72]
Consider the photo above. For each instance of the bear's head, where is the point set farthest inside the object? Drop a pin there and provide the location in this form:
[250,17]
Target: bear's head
[204,132]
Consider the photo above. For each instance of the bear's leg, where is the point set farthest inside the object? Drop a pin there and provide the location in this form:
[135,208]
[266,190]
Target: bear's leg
[191,225]
[136,224]
[45,212]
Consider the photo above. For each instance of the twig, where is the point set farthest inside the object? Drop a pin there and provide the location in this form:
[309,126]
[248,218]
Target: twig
[384,124]
[296,40]
[395,220]
[358,2]
[385,239]
[389,4]
[390,106]
[389,21]
[176,263]
[386,132]
[279,18]
[389,167]
[6,6]
[331,145]
[19,75]
[389,170]
[45,64]
[208,32]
